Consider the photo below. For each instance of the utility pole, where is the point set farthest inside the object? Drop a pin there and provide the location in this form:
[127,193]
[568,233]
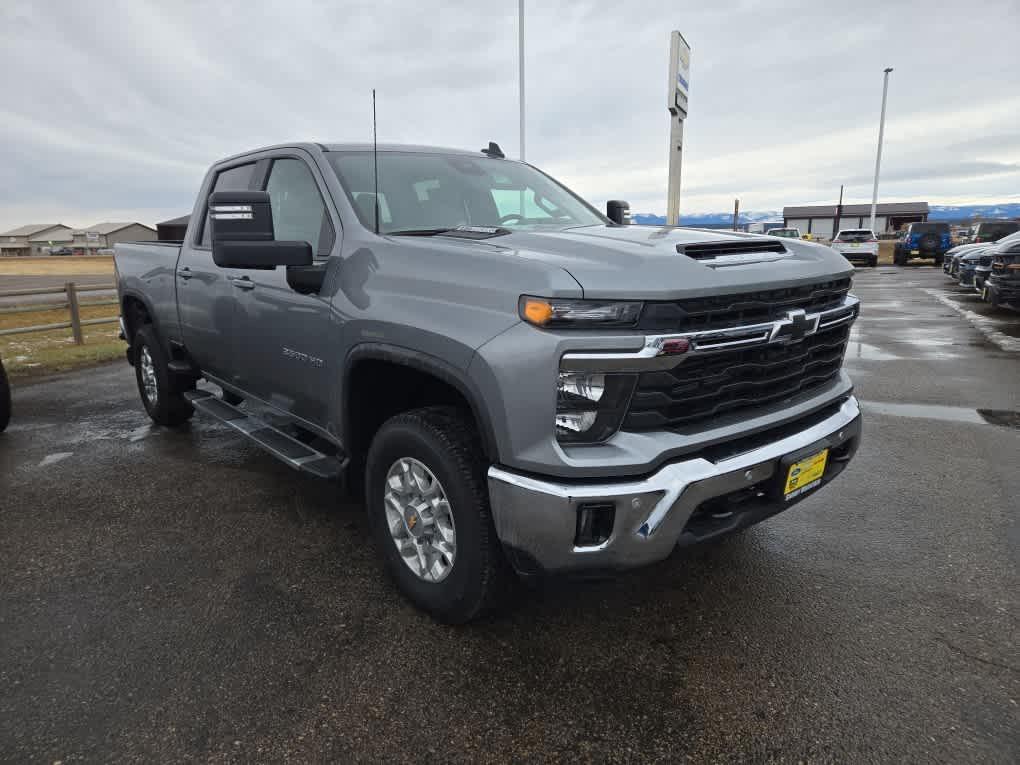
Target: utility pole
[878,157]
[839,213]
[736,213]
[676,104]
[520,64]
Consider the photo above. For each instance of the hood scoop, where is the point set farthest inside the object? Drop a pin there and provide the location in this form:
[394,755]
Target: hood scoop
[737,252]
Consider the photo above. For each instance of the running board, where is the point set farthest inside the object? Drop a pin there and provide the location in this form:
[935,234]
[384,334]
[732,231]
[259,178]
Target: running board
[287,449]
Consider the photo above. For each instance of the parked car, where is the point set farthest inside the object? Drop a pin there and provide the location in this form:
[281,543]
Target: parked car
[5,398]
[968,266]
[60,251]
[518,382]
[951,262]
[993,231]
[1002,286]
[923,240]
[982,270]
[857,245]
[785,233]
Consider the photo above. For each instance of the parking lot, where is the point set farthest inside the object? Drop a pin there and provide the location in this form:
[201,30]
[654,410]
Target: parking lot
[179,594]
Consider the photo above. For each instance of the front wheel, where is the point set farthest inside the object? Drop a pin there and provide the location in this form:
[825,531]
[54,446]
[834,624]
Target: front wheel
[161,392]
[428,508]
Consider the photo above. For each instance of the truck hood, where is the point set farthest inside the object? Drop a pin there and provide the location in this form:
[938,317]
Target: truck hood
[643,263]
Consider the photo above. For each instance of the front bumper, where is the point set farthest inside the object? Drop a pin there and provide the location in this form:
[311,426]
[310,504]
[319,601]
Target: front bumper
[1004,291]
[684,502]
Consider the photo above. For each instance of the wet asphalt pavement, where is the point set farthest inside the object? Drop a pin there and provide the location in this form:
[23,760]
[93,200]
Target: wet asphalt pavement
[178,595]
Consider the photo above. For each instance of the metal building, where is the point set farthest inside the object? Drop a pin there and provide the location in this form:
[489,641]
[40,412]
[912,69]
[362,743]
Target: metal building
[890,217]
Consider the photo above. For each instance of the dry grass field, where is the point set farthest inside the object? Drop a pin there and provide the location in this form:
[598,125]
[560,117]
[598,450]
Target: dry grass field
[37,353]
[59,266]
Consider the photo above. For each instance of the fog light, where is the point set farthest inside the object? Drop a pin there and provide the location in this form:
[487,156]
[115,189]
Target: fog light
[594,523]
[576,422]
[590,405]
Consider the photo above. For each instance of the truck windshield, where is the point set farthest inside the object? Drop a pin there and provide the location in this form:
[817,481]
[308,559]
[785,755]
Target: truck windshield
[421,192]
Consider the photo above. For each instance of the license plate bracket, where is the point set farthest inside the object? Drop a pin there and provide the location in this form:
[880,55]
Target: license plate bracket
[802,472]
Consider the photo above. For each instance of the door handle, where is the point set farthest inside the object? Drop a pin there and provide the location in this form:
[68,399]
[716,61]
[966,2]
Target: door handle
[184,273]
[243,282]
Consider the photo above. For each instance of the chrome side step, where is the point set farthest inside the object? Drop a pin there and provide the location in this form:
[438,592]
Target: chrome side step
[285,448]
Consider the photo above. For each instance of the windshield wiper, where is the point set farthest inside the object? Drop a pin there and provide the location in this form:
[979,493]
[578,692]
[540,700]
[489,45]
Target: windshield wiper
[465,232]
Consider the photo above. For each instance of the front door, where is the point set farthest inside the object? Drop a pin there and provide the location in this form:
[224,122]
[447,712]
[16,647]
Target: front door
[283,336]
[206,297]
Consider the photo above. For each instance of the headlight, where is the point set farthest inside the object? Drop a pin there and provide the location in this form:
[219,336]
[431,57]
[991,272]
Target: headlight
[591,405]
[569,313]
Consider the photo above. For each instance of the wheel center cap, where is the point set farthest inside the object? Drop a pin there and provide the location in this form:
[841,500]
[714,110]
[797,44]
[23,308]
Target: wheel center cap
[413,521]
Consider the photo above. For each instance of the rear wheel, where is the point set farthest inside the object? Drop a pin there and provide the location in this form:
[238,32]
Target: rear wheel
[161,391]
[428,508]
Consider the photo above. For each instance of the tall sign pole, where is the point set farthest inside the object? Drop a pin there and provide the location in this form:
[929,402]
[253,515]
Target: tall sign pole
[679,86]
[878,157]
[520,64]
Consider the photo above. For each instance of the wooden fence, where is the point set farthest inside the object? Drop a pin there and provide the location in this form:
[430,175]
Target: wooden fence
[74,323]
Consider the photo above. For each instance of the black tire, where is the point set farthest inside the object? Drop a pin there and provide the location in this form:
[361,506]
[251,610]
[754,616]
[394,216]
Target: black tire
[938,260]
[873,262]
[170,407]
[5,399]
[900,259]
[447,443]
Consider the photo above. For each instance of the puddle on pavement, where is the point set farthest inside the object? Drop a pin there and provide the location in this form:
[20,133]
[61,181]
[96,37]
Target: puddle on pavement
[1002,418]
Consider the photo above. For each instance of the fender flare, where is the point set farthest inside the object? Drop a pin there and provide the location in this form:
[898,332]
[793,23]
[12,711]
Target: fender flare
[432,365]
[144,300]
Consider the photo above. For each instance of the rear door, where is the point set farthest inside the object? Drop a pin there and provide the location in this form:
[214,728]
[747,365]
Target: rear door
[284,335]
[206,297]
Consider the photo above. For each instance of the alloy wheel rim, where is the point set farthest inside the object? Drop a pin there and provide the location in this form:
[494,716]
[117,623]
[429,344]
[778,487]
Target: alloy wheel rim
[148,369]
[420,520]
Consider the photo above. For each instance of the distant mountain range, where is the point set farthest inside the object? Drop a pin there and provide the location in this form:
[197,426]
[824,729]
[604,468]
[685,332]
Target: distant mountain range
[938,212]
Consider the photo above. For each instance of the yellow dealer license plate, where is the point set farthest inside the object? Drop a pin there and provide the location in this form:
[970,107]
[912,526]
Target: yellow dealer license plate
[805,474]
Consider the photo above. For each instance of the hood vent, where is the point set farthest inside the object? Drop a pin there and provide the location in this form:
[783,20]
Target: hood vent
[736,252]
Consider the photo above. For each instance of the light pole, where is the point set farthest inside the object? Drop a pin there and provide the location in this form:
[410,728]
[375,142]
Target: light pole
[520,64]
[878,157]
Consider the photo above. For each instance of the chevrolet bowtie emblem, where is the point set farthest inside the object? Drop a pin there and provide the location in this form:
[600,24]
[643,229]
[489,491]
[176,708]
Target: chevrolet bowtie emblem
[796,326]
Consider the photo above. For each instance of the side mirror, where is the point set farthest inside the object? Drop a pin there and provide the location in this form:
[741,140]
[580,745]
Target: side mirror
[618,212]
[242,233]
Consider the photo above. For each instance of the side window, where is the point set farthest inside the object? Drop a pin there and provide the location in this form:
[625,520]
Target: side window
[235,179]
[299,214]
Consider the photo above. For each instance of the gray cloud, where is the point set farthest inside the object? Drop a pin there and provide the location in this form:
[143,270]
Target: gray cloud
[118,107]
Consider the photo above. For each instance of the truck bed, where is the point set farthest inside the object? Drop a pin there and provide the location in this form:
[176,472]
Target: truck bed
[147,271]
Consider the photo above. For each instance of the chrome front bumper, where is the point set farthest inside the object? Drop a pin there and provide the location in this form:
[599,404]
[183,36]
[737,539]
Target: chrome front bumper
[536,519]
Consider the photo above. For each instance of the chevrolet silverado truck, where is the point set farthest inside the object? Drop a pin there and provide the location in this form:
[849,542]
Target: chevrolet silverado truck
[518,384]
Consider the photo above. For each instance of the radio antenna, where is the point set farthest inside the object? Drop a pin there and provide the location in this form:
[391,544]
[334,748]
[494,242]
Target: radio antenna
[375,163]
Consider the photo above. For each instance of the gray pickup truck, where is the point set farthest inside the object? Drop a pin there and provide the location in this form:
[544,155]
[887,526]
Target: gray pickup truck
[519,384]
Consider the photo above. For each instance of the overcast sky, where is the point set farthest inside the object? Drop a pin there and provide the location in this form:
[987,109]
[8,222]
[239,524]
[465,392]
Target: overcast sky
[113,110]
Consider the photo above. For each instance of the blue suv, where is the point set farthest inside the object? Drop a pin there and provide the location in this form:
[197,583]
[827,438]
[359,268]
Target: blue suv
[923,240]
